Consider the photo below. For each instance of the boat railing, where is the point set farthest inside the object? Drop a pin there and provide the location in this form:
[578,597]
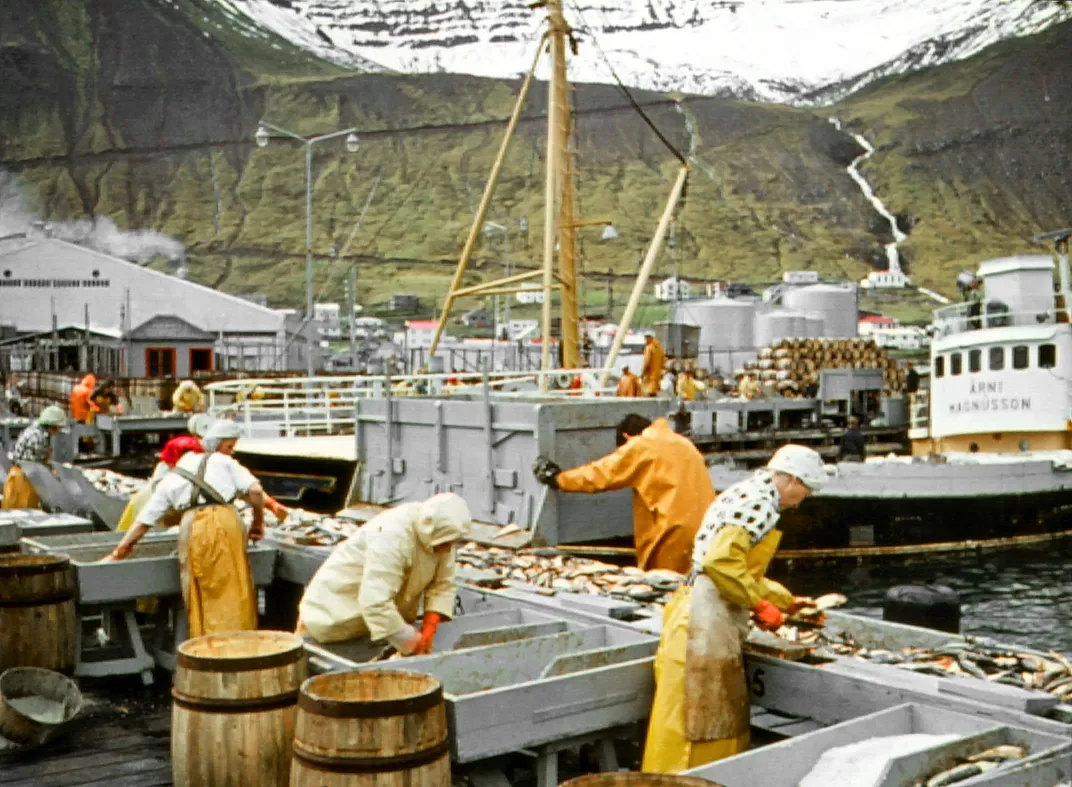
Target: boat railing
[328,405]
[971,316]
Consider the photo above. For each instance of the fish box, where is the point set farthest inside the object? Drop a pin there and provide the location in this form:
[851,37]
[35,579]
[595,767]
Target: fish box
[34,523]
[520,677]
[153,569]
[786,763]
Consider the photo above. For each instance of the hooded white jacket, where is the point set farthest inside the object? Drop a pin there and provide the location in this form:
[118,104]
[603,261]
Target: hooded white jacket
[374,581]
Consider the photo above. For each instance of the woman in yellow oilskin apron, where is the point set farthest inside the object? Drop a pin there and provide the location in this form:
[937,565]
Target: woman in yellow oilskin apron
[701,709]
[33,445]
[217,585]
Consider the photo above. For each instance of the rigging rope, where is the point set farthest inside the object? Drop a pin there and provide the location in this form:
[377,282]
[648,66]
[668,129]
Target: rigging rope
[628,94]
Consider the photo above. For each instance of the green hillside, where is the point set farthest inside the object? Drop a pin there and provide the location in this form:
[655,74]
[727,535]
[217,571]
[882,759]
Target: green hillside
[158,134]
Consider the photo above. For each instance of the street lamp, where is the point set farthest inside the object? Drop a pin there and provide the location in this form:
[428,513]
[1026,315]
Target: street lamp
[489,227]
[262,137]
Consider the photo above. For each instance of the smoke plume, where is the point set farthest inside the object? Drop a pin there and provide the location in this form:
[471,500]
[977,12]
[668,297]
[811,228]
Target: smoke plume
[99,233]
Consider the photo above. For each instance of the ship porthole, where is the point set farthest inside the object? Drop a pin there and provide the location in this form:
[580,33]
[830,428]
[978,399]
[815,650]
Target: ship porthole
[1025,445]
[973,447]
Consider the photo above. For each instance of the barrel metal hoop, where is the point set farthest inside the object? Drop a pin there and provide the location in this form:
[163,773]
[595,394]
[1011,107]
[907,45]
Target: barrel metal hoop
[244,705]
[58,597]
[250,664]
[56,566]
[371,709]
[397,762]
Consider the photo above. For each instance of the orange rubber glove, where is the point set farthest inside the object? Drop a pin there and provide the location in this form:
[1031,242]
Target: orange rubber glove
[799,603]
[278,509]
[768,616]
[428,630]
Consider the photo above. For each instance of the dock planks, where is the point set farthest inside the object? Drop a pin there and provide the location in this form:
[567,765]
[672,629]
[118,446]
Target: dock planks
[122,739]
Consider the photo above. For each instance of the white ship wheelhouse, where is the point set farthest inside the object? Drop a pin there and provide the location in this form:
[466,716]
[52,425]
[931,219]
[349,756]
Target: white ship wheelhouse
[1001,365]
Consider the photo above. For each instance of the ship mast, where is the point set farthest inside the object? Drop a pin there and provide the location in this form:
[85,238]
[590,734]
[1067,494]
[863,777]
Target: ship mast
[559,224]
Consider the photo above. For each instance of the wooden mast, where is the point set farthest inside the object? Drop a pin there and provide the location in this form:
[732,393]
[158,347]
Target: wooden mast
[558,159]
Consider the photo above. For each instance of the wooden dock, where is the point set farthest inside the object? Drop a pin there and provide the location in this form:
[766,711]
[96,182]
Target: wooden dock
[121,739]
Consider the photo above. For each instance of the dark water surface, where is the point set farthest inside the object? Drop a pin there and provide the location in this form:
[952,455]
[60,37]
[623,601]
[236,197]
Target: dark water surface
[1022,597]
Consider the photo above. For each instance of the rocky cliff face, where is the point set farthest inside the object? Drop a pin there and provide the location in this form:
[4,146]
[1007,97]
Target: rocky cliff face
[144,111]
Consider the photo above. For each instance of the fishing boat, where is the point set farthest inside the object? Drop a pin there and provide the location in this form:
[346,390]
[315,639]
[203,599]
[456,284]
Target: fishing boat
[991,463]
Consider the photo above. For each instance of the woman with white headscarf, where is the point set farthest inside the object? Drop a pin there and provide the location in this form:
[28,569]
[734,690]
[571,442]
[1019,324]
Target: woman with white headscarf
[217,585]
[374,583]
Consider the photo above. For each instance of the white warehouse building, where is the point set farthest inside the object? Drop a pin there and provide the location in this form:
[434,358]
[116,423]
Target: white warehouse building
[170,327]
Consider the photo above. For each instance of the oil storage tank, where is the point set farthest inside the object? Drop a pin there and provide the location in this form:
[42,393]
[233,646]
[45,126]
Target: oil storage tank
[780,324]
[836,304]
[726,324]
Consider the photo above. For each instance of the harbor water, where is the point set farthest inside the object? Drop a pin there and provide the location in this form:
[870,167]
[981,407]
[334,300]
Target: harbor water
[1021,596]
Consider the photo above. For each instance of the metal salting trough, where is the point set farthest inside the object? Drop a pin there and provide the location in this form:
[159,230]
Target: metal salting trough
[153,569]
[33,523]
[516,676]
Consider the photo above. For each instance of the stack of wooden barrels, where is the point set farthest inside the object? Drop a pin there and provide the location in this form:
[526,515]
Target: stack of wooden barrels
[792,365]
[245,714]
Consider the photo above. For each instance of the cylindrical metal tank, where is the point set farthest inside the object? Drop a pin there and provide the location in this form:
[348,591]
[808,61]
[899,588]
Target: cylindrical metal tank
[725,323]
[814,325]
[834,303]
[776,325]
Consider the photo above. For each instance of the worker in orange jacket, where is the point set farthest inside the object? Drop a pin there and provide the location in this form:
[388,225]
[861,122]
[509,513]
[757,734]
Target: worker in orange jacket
[629,385]
[82,406]
[654,360]
[671,488]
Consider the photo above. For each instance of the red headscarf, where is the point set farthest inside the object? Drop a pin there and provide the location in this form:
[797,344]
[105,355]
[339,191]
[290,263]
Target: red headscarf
[177,446]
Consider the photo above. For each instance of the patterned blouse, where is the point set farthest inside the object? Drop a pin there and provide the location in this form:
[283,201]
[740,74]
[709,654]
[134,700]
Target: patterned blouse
[33,445]
[751,504]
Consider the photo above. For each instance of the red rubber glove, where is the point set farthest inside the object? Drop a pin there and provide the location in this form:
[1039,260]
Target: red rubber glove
[768,616]
[428,630]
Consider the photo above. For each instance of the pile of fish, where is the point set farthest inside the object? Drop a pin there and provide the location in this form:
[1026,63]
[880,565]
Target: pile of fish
[552,570]
[973,766]
[14,420]
[978,658]
[111,483]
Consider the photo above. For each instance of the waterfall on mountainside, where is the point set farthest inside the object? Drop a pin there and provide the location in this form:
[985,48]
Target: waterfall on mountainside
[893,259]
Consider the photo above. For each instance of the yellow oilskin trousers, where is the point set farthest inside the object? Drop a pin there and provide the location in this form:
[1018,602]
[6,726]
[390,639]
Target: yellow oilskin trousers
[668,749]
[217,586]
[18,491]
[737,568]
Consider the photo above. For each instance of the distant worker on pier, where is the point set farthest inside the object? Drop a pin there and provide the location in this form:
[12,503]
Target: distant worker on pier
[688,387]
[911,387]
[629,385]
[654,360]
[853,445]
[376,581]
[217,586]
[33,445]
[670,483]
[82,406]
[188,398]
[701,709]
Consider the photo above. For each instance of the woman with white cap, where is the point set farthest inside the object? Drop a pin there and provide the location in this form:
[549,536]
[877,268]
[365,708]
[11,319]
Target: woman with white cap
[217,586]
[375,581]
[33,445]
[701,707]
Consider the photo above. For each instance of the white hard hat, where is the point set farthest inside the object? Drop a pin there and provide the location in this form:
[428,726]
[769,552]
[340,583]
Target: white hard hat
[802,462]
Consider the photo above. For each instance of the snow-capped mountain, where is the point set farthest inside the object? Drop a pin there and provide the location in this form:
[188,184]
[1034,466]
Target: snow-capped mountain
[793,51]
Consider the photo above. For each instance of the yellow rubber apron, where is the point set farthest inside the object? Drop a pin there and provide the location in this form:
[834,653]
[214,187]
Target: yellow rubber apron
[217,585]
[18,491]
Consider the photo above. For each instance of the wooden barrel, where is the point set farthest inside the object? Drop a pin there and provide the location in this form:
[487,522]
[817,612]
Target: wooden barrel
[232,718]
[637,779]
[37,616]
[380,727]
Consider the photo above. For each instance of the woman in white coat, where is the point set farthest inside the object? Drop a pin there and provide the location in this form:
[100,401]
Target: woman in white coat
[374,582]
